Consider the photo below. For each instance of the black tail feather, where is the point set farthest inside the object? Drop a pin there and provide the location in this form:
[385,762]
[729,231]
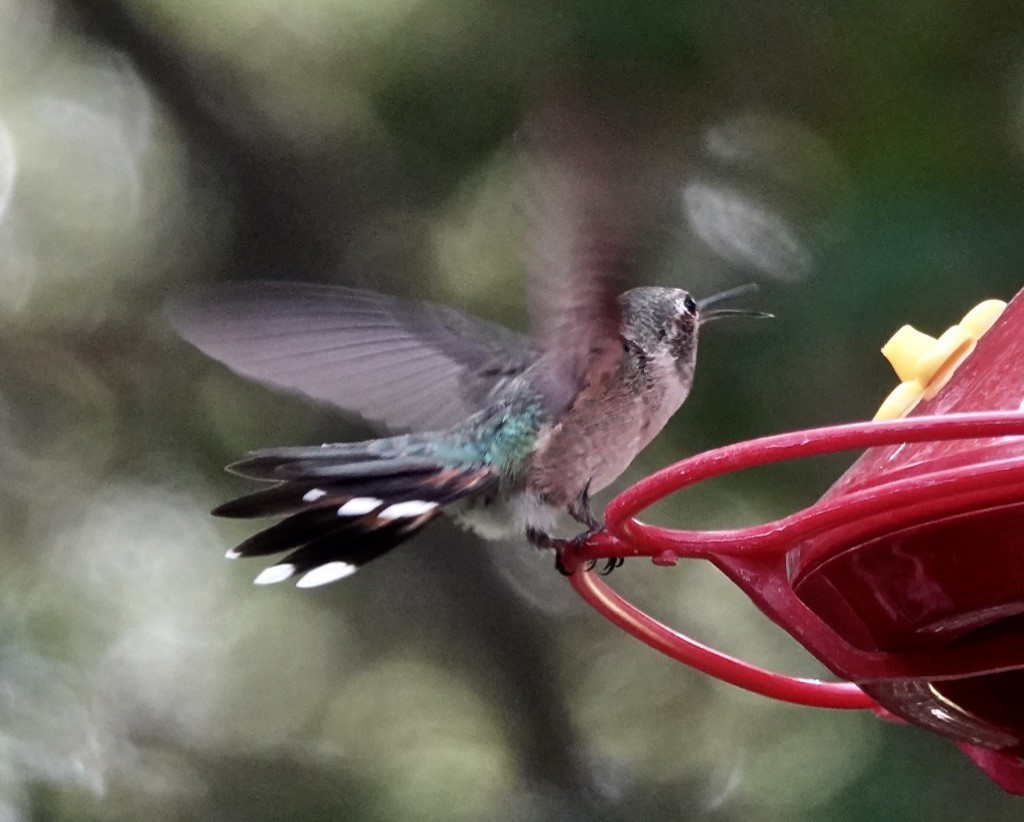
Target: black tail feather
[298,529]
[353,552]
[281,499]
[264,467]
[295,496]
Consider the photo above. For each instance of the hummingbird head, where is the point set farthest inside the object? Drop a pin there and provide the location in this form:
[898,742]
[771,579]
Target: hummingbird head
[663,322]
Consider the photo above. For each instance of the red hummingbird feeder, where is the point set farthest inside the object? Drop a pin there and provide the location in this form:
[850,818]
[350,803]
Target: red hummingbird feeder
[906,579]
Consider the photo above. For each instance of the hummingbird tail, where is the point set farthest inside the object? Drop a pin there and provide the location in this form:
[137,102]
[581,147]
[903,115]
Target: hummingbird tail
[343,506]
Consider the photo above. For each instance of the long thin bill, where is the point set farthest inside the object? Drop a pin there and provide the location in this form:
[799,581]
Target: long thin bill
[734,312]
[725,296]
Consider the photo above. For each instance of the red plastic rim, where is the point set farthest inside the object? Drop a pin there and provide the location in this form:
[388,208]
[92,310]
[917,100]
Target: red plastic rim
[627,537]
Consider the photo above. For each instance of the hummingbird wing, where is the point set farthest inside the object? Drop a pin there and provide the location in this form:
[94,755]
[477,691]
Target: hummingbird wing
[583,198]
[402,363]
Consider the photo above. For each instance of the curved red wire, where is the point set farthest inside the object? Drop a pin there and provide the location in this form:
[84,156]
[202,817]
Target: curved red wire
[627,537]
[777,448]
[811,692]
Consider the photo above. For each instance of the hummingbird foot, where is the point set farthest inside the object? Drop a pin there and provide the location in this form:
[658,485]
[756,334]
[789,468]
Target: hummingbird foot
[561,547]
[610,565]
[542,539]
[580,511]
[564,548]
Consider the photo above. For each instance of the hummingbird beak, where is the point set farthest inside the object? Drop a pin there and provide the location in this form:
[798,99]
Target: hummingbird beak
[717,314]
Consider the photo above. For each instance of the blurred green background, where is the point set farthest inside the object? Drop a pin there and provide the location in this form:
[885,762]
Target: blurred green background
[862,160]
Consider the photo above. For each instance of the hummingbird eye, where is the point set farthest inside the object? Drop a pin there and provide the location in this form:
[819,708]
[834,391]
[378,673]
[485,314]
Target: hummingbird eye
[690,304]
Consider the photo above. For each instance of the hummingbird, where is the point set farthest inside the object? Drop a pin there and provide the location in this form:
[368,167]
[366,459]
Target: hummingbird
[505,433]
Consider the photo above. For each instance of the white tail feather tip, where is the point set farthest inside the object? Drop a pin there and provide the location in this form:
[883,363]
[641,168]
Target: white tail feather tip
[357,506]
[331,572]
[275,573]
[412,508]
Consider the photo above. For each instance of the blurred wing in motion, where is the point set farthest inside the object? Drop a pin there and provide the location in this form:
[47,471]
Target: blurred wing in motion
[584,204]
[405,364]
[768,196]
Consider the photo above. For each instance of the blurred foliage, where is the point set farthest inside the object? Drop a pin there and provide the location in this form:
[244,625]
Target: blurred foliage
[862,160]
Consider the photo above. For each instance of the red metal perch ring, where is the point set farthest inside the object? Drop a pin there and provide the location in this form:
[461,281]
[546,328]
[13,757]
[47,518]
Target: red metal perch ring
[905,500]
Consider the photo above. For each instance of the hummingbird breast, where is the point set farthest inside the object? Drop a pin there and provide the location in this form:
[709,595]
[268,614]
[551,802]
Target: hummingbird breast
[611,420]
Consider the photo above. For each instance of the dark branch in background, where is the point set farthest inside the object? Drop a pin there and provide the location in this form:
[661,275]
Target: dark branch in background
[292,200]
[509,645]
[290,194]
